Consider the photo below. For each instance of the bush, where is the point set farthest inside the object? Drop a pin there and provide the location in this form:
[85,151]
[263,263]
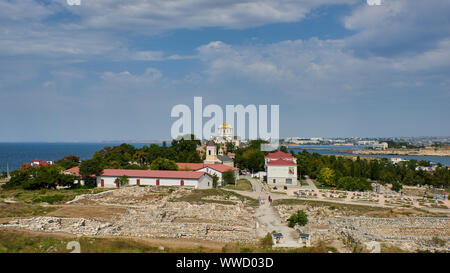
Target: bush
[267,241]
[300,218]
[49,198]
[229,178]
[396,186]
[122,181]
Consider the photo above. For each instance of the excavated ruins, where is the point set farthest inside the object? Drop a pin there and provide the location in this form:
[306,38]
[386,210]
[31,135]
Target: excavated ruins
[407,233]
[153,212]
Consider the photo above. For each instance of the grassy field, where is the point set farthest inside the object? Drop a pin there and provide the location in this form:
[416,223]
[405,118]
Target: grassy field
[198,196]
[45,195]
[241,185]
[23,210]
[25,203]
[20,242]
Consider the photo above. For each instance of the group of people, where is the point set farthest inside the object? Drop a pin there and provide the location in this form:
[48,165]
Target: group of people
[268,199]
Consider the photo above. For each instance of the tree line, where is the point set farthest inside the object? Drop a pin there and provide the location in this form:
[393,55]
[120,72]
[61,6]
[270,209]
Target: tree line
[343,172]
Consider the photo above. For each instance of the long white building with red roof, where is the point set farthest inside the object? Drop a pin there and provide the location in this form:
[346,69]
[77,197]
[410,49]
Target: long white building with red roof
[281,169]
[198,180]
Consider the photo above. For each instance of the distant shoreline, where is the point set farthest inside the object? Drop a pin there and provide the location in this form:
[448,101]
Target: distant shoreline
[419,152]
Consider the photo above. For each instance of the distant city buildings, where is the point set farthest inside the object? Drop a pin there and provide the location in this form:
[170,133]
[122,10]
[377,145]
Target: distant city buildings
[380,146]
[396,160]
[36,163]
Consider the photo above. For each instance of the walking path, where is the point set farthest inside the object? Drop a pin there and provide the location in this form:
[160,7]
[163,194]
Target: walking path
[275,196]
[268,218]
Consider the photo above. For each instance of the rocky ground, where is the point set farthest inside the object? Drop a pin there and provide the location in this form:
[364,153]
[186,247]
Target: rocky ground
[151,212]
[407,233]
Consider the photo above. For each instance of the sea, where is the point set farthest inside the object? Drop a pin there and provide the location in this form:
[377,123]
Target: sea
[14,154]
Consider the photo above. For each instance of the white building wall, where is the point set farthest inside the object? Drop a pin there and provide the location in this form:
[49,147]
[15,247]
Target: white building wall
[204,182]
[281,174]
[213,172]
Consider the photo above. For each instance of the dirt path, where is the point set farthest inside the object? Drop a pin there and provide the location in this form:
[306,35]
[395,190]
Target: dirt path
[268,218]
[349,196]
[381,199]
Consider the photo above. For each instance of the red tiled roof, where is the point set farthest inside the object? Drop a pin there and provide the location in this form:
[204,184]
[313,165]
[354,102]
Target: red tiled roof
[42,162]
[281,162]
[221,167]
[191,166]
[197,166]
[75,171]
[153,173]
[279,154]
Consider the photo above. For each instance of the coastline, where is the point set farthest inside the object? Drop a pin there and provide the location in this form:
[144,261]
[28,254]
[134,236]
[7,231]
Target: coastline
[419,152]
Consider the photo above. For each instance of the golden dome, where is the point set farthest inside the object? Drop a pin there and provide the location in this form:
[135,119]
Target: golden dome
[225,125]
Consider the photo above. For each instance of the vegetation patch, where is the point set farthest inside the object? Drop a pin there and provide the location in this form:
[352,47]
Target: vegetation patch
[241,185]
[46,195]
[23,210]
[201,196]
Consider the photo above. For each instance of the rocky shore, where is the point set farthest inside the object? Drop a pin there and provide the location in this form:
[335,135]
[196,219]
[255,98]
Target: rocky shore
[421,152]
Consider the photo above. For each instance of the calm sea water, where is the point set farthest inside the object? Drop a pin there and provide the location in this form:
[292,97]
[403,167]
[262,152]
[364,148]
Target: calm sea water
[444,160]
[14,154]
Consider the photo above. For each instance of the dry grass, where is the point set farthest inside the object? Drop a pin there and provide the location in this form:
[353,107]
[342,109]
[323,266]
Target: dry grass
[241,185]
[23,210]
[103,212]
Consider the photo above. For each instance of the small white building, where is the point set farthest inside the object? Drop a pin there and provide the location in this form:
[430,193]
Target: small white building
[281,169]
[396,160]
[198,180]
[211,169]
[380,146]
[304,239]
[219,170]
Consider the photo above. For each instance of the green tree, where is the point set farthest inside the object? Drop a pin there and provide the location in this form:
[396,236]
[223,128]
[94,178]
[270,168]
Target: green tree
[122,181]
[91,167]
[18,177]
[327,177]
[230,147]
[267,241]
[228,177]
[300,218]
[164,164]
[215,180]
[396,186]
[69,161]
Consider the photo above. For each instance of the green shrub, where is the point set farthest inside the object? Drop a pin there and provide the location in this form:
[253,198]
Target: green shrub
[49,198]
[299,218]
[267,241]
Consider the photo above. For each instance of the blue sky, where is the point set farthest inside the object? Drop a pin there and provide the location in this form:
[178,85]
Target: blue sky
[111,69]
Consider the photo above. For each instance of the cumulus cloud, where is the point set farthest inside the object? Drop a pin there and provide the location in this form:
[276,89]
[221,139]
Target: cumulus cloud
[156,15]
[126,78]
[398,27]
[322,67]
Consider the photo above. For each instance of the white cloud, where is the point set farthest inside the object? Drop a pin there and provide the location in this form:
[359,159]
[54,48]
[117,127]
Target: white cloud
[322,68]
[156,15]
[150,76]
[398,27]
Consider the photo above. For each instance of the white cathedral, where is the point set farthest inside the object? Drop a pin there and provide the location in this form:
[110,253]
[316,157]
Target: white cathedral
[225,134]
